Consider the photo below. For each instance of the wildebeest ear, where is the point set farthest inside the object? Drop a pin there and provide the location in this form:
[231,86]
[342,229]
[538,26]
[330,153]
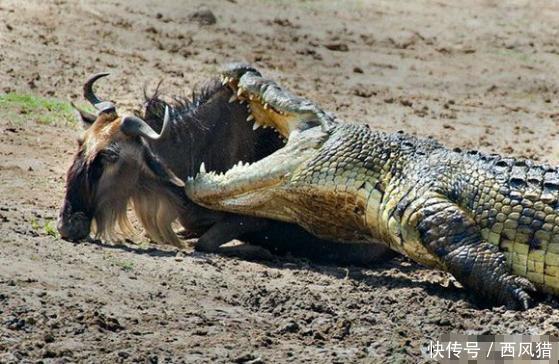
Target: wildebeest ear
[160,169]
[84,117]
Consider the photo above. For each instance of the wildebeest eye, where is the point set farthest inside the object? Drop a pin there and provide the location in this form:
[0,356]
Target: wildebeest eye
[109,156]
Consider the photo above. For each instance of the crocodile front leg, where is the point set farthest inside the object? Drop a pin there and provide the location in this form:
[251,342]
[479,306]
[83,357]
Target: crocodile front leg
[451,235]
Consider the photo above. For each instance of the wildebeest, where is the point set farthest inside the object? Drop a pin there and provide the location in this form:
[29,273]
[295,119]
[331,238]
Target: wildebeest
[143,160]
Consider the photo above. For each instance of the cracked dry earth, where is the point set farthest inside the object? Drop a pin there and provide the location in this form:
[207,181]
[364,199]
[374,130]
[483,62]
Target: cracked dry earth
[481,74]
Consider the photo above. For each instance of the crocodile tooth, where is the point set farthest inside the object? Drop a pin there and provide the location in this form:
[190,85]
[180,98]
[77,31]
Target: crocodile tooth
[255,126]
[251,97]
[241,101]
[223,80]
[232,98]
[250,117]
[202,168]
[239,91]
[266,106]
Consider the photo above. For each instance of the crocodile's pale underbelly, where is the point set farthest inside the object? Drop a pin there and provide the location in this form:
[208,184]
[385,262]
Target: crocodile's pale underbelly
[346,213]
[330,214]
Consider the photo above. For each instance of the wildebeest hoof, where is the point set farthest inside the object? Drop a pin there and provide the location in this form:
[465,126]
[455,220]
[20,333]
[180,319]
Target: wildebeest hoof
[246,252]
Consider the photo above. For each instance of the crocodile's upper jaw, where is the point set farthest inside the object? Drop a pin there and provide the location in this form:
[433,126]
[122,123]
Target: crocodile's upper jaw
[271,106]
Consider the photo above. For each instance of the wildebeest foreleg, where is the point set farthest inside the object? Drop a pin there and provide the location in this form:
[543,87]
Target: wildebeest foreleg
[231,228]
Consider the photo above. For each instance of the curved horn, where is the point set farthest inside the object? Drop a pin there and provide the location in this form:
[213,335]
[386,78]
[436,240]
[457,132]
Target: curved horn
[88,88]
[86,117]
[134,126]
[92,98]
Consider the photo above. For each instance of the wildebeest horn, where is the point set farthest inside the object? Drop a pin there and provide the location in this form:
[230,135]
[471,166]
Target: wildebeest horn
[86,117]
[102,106]
[134,126]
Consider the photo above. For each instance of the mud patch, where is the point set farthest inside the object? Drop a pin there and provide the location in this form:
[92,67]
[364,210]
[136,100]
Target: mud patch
[490,82]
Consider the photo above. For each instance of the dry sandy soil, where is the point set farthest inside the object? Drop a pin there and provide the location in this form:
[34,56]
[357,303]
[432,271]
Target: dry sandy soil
[482,74]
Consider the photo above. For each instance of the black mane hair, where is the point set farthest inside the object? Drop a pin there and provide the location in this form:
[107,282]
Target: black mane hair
[154,105]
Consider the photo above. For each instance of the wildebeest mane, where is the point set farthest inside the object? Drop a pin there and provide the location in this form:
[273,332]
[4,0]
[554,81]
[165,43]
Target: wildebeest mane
[182,106]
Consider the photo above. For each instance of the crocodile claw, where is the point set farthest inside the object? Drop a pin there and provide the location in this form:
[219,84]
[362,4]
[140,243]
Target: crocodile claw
[515,295]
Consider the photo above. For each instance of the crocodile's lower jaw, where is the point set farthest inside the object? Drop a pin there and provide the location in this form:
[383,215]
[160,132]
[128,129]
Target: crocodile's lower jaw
[217,189]
[245,184]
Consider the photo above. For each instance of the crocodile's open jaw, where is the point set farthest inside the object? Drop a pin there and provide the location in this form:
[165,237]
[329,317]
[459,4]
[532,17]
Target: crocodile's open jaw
[296,119]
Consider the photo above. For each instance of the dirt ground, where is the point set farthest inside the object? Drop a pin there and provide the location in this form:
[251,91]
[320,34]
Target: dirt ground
[476,74]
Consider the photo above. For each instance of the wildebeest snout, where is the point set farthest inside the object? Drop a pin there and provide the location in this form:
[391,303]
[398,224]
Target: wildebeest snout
[73,226]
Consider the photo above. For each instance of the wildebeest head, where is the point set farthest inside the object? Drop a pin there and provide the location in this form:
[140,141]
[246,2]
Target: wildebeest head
[113,156]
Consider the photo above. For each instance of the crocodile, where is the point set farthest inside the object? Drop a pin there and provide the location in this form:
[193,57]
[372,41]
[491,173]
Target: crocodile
[489,220]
